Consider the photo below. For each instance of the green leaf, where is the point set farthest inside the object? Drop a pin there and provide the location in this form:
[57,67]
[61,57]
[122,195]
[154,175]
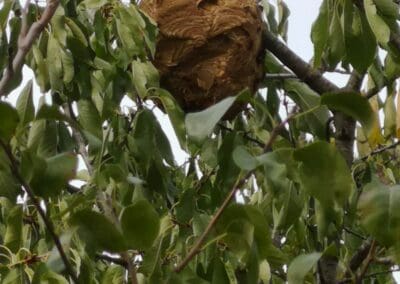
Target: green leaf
[25,107]
[392,68]
[94,4]
[352,104]
[219,273]
[308,100]
[44,275]
[58,25]
[320,33]
[378,210]
[53,113]
[144,76]
[284,14]
[185,209]
[175,114]
[13,238]
[300,266]
[9,121]
[98,231]
[76,30]
[43,138]
[14,276]
[276,171]
[54,63]
[387,8]
[144,136]
[243,159]
[140,225]
[60,169]
[235,217]
[357,32]
[162,143]
[9,188]
[89,118]
[4,13]
[67,61]
[336,47]
[200,124]
[334,182]
[390,115]
[377,24]
[42,70]
[113,275]
[228,171]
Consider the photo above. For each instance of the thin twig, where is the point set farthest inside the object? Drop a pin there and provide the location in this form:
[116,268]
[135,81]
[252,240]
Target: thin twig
[281,76]
[199,243]
[351,232]
[49,225]
[368,260]
[25,42]
[371,275]
[245,135]
[380,150]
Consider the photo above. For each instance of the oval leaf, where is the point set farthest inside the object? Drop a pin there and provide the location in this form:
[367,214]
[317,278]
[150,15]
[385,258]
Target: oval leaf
[140,225]
[98,231]
[9,120]
[300,266]
[352,104]
[200,124]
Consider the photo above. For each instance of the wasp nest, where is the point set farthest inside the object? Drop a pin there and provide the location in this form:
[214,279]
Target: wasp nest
[207,50]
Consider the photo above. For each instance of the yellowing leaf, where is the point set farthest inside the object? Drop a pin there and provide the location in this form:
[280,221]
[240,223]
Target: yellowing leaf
[375,136]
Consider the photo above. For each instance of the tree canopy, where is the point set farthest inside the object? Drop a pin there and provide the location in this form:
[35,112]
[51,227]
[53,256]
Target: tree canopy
[301,186]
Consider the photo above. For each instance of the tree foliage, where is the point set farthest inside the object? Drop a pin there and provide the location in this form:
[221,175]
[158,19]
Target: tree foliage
[279,193]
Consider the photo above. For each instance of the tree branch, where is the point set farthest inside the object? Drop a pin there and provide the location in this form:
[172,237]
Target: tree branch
[302,69]
[355,81]
[380,150]
[358,258]
[25,41]
[197,247]
[245,135]
[368,260]
[42,213]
